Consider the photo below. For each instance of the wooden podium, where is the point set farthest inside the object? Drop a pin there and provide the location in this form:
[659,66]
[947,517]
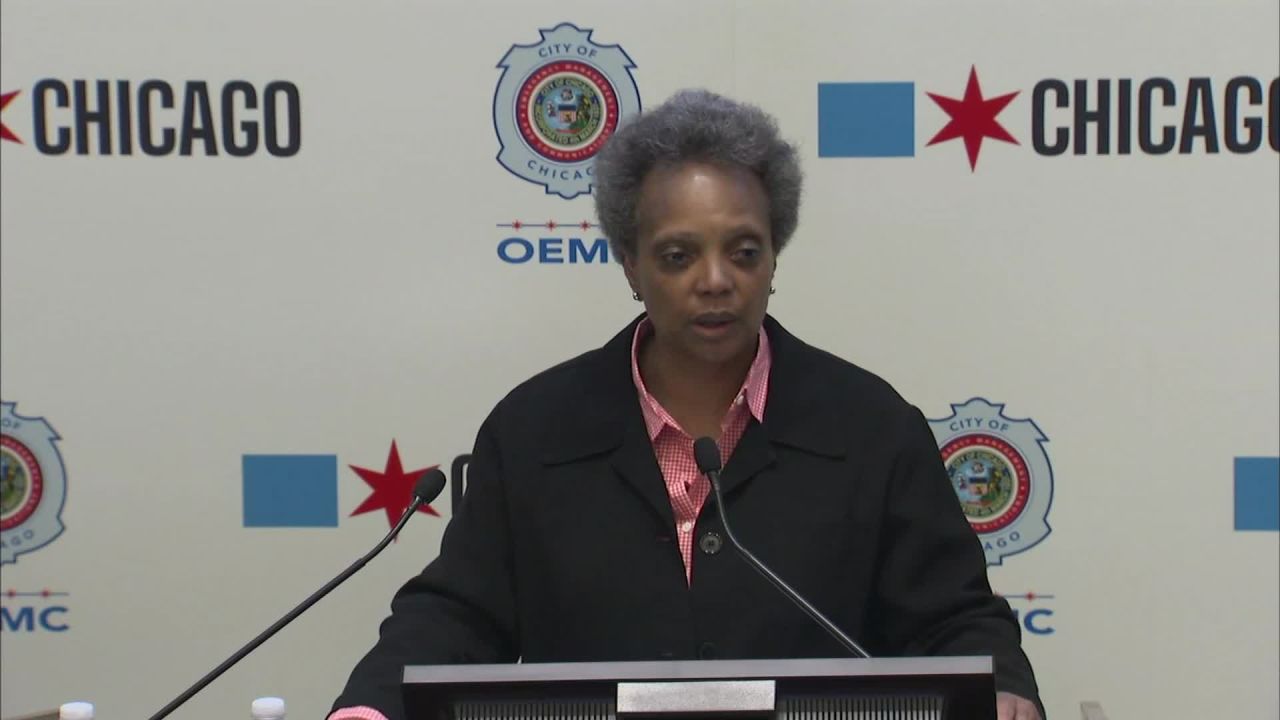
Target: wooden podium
[948,688]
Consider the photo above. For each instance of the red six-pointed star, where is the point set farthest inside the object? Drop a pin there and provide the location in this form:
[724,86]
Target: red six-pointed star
[392,488]
[973,118]
[6,133]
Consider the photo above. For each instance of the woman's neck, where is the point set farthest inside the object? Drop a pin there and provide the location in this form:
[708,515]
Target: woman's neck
[697,394]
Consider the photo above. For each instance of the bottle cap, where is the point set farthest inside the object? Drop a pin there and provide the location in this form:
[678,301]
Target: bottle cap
[268,708]
[76,711]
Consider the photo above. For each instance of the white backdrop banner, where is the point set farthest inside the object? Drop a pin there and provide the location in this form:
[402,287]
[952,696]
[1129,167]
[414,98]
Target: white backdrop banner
[264,263]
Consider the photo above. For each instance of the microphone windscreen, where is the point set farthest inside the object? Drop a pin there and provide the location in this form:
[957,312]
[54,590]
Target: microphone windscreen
[429,486]
[707,454]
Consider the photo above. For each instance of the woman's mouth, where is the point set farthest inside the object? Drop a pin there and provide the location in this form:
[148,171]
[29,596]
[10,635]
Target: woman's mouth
[714,324]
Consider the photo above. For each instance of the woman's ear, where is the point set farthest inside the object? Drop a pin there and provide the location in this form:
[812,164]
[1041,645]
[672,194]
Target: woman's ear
[629,269]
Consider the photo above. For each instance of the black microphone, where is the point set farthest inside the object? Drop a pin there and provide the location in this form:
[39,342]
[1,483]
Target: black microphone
[424,492]
[707,454]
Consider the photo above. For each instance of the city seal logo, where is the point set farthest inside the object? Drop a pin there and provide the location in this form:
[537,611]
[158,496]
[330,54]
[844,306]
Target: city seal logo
[557,102]
[33,484]
[1001,475]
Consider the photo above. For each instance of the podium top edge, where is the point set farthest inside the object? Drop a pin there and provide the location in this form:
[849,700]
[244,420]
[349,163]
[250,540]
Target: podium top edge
[762,669]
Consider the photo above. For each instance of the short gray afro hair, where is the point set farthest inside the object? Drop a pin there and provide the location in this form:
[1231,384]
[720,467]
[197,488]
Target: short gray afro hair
[695,125]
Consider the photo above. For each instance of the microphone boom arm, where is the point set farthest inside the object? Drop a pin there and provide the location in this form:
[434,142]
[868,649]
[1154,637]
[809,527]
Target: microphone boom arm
[418,501]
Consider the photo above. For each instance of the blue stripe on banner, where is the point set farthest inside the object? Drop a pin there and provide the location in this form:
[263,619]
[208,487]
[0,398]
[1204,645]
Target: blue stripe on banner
[1258,493]
[866,119]
[290,490]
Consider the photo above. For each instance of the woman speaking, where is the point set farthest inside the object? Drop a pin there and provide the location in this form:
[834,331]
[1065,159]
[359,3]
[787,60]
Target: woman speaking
[585,533]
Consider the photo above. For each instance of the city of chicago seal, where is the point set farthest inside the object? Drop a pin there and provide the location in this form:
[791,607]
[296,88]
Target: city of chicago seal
[33,484]
[1000,473]
[556,103]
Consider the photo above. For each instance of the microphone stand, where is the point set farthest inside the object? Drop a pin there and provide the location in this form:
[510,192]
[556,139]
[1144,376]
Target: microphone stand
[420,499]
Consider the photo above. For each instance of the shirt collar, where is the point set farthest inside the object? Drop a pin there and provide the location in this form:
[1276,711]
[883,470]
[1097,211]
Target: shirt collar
[753,393]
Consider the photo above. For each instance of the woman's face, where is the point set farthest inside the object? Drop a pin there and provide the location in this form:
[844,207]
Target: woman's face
[704,259]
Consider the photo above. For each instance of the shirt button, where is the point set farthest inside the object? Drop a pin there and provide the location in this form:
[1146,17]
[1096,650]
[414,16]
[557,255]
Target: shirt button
[686,526]
[742,397]
[710,543]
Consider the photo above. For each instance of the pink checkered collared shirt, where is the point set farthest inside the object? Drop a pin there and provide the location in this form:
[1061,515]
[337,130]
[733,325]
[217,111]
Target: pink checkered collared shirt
[686,486]
[673,447]
[361,712]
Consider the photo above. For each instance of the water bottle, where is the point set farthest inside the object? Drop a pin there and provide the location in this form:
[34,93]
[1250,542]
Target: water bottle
[267,708]
[77,711]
